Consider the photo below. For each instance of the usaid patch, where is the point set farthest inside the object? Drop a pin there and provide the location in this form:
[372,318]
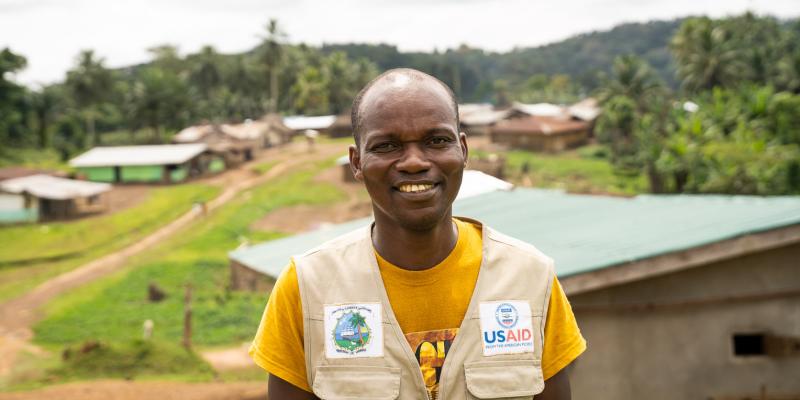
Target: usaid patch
[353,330]
[506,327]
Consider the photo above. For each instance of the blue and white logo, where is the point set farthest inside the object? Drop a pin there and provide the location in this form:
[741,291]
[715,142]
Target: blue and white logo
[506,315]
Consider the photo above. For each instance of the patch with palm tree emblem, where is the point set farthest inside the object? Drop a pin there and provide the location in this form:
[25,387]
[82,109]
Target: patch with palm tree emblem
[353,330]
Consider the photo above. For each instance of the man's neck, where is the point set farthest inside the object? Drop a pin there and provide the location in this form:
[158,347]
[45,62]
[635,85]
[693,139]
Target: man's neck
[415,250]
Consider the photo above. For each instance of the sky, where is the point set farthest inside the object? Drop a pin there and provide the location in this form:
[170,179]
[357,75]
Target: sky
[50,33]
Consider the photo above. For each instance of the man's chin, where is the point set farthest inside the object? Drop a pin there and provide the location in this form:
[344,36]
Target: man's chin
[422,222]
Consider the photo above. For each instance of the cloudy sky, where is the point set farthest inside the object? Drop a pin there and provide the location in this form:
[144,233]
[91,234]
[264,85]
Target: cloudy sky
[50,33]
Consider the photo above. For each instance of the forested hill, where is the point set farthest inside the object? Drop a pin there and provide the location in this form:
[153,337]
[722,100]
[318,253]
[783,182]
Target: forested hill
[471,72]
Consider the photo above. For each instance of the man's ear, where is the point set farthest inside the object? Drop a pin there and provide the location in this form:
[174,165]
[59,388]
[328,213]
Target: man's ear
[355,163]
[462,137]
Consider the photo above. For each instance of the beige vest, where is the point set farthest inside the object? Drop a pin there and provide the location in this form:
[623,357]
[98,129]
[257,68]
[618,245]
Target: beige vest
[345,271]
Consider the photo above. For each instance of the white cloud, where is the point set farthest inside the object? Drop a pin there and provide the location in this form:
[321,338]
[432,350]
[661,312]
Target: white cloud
[51,33]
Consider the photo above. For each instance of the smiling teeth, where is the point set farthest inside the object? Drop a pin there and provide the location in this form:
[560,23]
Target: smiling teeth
[415,188]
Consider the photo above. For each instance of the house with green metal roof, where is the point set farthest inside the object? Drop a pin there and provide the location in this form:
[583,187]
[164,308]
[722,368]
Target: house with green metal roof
[680,296]
[164,163]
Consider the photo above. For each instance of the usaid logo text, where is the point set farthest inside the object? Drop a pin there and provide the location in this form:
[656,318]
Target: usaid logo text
[511,335]
[506,327]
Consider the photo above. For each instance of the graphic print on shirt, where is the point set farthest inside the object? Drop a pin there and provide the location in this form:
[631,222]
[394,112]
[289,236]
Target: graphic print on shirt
[431,348]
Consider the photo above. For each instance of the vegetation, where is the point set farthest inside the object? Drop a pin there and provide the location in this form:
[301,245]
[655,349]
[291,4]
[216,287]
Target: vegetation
[733,126]
[128,360]
[578,171]
[114,309]
[136,359]
[33,253]
[673,61]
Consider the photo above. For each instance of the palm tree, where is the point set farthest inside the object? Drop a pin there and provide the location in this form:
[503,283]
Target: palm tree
[635,79]
[160,99]
[356,322]
[90,84]
[272,54]
[705,54]
[206,71]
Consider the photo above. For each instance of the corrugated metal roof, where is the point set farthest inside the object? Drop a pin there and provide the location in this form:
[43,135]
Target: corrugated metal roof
[539,126]
[584,233]
[161,154]
[302,122]
[540,109]
[50,187]
[193,133]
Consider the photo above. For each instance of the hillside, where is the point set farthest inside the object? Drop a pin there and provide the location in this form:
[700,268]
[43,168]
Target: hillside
[581,57]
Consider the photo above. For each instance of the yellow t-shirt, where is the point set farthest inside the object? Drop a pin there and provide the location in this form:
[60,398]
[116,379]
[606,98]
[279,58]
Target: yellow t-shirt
[429,306]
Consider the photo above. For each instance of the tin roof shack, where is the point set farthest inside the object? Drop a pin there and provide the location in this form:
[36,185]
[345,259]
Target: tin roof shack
[274,131]
[166,163]
[19,172]
[341,126]
[545,134]
[42,198]
[347,173]
[690,297]
[229,145]
[301,123]
[478,119]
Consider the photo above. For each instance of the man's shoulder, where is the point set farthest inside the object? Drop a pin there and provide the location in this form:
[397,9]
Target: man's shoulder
[511,244]
[337,244]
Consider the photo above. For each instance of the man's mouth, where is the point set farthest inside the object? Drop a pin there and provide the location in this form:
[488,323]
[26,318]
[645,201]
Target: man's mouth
[415,188]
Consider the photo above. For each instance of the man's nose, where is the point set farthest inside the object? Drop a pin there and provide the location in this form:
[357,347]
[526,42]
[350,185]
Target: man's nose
[414,160]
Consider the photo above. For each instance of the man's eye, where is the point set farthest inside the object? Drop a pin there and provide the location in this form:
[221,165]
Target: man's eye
[440,141]
[384,147]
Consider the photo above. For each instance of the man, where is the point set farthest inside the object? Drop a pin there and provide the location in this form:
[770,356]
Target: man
[419,305]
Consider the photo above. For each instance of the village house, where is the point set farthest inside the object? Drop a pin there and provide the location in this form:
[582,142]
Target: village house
[691,297]
[478,119]
[341,126]
[36,198]
[166,163]
[546,127]
[544,134]
[299,124]
[237,143]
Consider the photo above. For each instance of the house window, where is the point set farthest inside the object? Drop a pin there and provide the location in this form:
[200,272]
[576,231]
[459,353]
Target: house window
[749,344]
[93,199]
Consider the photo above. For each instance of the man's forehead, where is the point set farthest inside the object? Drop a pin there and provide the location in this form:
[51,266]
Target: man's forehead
[422,90]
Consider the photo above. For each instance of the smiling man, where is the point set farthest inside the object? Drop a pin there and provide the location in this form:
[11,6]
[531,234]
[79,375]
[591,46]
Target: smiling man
[420,304]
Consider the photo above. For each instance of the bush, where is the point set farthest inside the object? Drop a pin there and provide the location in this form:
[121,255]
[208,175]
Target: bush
[128,360]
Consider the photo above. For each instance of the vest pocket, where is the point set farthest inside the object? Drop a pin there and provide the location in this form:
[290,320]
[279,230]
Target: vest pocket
[346,382]
[508,379]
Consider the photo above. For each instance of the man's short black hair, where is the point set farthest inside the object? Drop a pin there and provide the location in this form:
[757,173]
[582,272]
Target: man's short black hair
[355,113]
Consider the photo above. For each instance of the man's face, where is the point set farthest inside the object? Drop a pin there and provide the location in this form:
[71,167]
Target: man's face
[411,155]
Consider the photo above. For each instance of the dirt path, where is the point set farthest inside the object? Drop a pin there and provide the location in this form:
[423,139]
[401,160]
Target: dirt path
[19,314]
[229,359]
[123,390]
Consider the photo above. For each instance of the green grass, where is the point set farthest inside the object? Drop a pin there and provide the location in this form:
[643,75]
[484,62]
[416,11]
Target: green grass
[579,171]
[136,359]
[264,167]
[32,158]
[30,254]
[114,308]
[138,137]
